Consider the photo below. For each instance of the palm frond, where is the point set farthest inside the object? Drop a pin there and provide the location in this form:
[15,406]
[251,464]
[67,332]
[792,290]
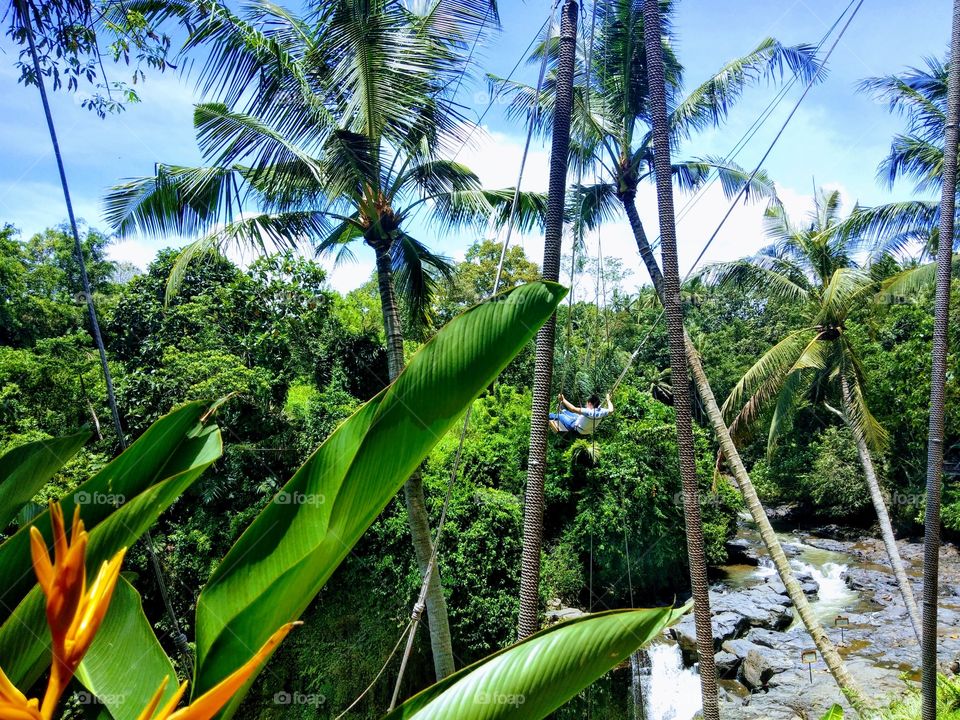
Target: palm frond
[228,137]
[709,104]
[589,206]
[765,379]
[416,272]
[906,283]
[773,276]
[857,413]
[900,220]
[186,201]
[692,174]
[843,294]
[436,177]
[913,157]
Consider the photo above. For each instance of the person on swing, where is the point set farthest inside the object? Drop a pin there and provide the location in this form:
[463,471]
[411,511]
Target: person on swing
[583,420]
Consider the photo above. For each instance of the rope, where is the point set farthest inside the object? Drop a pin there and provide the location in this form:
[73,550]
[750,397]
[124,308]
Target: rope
[740,144]
[410,630]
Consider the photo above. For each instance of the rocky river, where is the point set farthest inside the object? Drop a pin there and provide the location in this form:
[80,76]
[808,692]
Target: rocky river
[759,641]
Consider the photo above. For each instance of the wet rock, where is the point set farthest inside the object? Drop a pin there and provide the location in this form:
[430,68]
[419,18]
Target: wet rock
[755,672]
[866,580]
[741,551]
[760,606]
[807,582]
[727,664]
[560,614]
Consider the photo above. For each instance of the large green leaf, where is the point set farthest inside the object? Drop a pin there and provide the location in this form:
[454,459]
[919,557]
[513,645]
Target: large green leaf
[533,678]
[26,468]
[287,554]
[126,641]
[834,713]
[143,481]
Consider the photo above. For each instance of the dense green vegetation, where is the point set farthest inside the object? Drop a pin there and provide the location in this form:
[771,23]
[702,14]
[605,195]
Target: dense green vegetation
[335,128]
[295,358]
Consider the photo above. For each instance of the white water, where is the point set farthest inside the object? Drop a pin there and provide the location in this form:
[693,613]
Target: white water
[670,691]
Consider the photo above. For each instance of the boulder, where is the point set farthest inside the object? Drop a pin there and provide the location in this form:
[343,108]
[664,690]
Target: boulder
[741,551]
[727,664]
[755,672]
[759,606]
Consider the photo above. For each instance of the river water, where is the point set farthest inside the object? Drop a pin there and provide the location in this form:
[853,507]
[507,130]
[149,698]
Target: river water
[671,691]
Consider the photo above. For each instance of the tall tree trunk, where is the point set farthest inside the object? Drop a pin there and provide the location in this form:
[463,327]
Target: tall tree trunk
[529,620]
[820,639]
[417,517]
[696,551]
[179,638]
[883,517]
[938,376]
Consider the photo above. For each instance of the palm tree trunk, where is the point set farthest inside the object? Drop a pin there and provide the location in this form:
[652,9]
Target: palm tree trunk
[825,647]
[883,517]
[179,638]
[938,375]
[696,551]
[418,519]
[529,620]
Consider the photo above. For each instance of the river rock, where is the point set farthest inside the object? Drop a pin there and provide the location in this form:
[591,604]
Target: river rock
[741,551]
[760,606]
[807,582]
[755,672]
[727,664]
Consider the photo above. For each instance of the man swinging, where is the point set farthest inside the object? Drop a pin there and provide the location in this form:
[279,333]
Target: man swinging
[583,420]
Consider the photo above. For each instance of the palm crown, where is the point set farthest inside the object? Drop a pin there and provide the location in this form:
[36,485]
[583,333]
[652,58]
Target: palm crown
[920,95]
[611,130]
[328,128]
[813,265]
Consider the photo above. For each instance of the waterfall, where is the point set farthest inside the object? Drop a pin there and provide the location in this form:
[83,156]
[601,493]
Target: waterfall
[669,690]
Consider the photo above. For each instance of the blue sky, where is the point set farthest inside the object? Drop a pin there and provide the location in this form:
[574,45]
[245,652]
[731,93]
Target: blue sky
[836,139]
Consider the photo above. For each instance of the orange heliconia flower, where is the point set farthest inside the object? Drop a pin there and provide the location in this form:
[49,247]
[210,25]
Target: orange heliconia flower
[14,704]
[74,612]
[209,704]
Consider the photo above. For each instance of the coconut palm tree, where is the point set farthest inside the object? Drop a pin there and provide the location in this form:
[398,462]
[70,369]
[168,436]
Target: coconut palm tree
[920,95]
[660,139]
[813,265]
[332,128]
[612,142]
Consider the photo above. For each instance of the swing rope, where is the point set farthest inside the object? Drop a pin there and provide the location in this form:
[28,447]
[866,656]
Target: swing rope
[409,632]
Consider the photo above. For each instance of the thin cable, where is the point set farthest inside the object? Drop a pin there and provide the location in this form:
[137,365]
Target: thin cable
[534,118]
[733,204]
[780,132]
[379,674]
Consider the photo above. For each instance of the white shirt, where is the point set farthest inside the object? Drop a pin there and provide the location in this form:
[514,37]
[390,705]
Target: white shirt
[587,419]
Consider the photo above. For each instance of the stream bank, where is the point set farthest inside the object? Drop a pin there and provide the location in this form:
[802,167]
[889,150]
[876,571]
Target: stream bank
[759,641]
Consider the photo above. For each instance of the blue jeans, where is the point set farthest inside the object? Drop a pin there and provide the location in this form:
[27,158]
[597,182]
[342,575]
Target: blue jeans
[565,419]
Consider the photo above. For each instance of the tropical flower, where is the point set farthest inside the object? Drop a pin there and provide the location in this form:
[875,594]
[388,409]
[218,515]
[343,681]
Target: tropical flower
[14,704]
[209,704]
[74,612]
